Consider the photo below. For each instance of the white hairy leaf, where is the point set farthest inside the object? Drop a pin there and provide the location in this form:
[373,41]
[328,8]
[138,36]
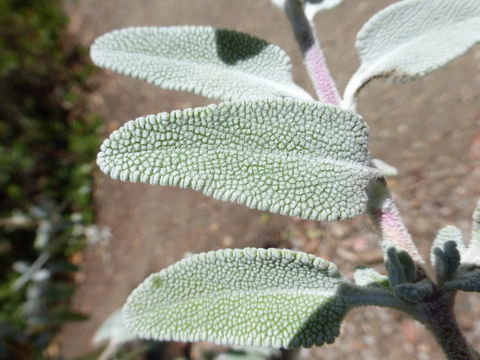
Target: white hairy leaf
[446,234]
[386,169]
[114,331]
[219,64]
[311,7]
[294,158]
[370,277]
[411,38]
[476,227]
[471,256]
[258,297]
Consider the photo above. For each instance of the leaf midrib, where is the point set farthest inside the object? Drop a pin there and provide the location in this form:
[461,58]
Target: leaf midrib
[292,90]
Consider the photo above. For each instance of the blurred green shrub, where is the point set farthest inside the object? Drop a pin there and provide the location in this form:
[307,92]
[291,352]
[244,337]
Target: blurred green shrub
[48,142]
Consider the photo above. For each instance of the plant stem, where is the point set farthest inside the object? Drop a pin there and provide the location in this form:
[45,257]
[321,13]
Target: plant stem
[314,59]
[386,217]
[439,319]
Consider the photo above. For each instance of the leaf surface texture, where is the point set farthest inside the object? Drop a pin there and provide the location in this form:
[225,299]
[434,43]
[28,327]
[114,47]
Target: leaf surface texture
[219,64]
[294,158]
[241,297]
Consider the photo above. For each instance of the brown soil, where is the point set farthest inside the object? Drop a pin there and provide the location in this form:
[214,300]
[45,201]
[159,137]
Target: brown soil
[428,129]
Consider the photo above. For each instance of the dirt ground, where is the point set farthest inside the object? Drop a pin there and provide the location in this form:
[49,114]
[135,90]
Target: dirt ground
[428,129]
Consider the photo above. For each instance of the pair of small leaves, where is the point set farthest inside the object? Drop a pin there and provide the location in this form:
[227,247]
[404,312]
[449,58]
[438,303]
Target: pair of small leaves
[411,38]
[403,278]
[458,266]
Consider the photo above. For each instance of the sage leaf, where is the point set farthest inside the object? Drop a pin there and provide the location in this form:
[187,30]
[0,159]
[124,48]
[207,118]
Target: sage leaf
[370,277]
[386,169]
[467,282]
[219,64]
[246,297]
[312,7]
[411,38]
[113,330]
[284,156]
[446,235]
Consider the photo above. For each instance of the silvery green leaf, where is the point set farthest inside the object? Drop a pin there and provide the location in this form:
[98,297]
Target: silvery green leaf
[400,266]
[245,297]
[476,226]
[220,64]
[445,235]
[387,170]
[467,282]
[114,331]
[312,7]
[414,292]
[472,255]
[284,156]
[411,38]
[370,277]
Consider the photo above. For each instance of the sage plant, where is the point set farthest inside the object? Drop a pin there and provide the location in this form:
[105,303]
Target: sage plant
[271,146]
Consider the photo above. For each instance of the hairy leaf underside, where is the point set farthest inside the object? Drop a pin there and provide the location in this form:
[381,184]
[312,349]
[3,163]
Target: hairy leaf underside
[411,38]
[288,157]
[219,64]
[273,297]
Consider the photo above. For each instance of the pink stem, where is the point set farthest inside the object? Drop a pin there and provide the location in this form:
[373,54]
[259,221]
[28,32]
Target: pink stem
[313,56]
[386,216]
[320,75]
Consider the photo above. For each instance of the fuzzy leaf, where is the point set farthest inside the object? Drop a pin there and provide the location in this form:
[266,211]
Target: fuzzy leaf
[369,277]
[411,38]
[386,169]
[472,255]
[293,158]
[312,7]
[446,234]
[242,297]
[468,282]
[219,64]
[414,292]
[476,226]
[114,331]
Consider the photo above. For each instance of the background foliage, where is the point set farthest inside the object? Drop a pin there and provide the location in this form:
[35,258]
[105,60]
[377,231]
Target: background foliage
[48,141]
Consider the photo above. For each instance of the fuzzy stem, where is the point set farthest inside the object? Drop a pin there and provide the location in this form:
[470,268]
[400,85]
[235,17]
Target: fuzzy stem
[439,319]
[314,59]
[386,217]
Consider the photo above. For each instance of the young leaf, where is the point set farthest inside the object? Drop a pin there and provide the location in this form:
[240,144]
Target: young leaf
[293,158]
[468,282]
[244,297]
[414,292]
[221,64]
[445,235]
[386,169]
[472,255]
[114,331]
[411,38]
[369,277]
[476,226]
[312,7]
